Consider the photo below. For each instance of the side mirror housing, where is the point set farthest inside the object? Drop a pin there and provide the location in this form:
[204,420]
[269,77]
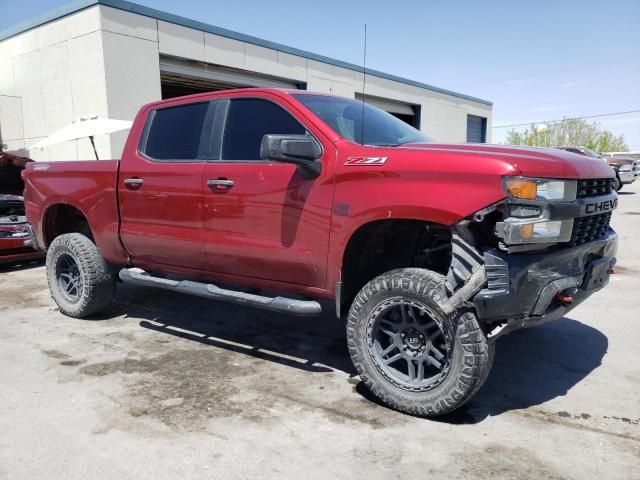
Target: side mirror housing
[303,150]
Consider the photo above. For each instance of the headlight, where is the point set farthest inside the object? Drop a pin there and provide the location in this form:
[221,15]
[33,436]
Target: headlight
[540,189]
[537,232]
[528,211]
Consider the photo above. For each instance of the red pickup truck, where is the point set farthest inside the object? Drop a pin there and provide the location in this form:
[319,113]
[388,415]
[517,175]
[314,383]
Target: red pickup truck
[430,251]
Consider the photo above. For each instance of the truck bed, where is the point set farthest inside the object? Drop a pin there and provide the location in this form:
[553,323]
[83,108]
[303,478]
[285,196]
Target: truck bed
[88,186]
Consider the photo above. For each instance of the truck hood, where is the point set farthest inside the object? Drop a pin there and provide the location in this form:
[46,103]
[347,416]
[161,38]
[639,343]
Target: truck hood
[530,161]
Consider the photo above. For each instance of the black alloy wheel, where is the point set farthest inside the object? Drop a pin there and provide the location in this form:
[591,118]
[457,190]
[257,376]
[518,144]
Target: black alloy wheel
[409,345]
[69,278]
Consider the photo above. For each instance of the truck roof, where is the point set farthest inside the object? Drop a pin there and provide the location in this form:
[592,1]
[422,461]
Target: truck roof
[213,94]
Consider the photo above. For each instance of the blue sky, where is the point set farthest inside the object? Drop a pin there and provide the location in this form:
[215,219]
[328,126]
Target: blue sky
[536,61]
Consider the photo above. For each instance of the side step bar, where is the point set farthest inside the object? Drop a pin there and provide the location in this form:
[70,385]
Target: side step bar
[306,308]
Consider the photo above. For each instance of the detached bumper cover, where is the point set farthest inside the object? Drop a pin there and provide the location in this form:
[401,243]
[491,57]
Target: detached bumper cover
[521,288]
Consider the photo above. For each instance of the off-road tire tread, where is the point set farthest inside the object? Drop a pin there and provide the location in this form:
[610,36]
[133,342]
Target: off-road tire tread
[478,353]
[99,283]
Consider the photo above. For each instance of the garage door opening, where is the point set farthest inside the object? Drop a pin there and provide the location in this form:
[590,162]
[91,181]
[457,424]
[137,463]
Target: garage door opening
[406,112]
[181,77]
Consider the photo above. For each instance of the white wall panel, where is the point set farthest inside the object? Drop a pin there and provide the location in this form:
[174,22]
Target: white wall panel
[260,59]
[11,119]
[223,51]
[127,23]
[291,66]
[180,41]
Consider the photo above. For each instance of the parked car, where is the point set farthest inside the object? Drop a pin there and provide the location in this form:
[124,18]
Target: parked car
[13,223]
[626,168]
[430,251]
[14,232]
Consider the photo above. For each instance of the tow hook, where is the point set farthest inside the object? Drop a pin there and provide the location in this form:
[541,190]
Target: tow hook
[566,297]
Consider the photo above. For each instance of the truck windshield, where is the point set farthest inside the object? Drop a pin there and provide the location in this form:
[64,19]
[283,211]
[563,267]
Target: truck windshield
[346,117]
[591,153]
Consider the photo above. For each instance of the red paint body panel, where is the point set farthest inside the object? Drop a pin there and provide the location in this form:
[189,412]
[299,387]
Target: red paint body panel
[161,221]
[14,256]
[275,229]
[273,224]
[13,250]
[531,161]
[89,186]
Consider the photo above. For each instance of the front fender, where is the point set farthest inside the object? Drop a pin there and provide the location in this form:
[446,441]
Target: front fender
[430,197]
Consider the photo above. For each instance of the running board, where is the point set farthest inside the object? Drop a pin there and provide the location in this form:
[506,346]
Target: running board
[307,308]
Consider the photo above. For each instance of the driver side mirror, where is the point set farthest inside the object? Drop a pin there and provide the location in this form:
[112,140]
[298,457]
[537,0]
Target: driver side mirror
[303,150]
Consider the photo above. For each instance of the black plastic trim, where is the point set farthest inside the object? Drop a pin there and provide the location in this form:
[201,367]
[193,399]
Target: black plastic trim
[518,285]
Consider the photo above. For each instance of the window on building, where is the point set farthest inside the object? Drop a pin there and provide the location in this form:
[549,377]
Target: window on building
[174,133]
[476,129]
[248,121]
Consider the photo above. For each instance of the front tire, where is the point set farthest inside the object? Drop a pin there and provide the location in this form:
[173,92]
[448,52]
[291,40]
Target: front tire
[79,279]
[408,352]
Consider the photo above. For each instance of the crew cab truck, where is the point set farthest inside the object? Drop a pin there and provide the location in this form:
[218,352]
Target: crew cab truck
[430,251]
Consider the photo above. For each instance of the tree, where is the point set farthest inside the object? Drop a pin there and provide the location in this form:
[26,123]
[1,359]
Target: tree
[569,132]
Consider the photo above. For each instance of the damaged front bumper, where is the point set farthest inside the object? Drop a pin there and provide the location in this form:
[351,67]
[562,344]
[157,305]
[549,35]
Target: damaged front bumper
[522,289]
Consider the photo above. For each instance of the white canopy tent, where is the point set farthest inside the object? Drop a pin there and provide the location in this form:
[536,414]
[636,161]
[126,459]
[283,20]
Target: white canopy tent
[84,127]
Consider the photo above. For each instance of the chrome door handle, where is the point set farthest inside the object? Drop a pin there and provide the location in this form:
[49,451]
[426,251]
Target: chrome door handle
[220,183]
[133,182]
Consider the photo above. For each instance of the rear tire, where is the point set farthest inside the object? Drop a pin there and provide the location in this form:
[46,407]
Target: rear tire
[80,280]
[398,316]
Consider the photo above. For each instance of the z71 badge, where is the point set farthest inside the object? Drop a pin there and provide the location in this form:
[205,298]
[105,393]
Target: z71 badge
[366,160]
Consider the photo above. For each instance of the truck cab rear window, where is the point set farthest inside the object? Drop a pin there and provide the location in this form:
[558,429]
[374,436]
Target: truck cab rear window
[174,133]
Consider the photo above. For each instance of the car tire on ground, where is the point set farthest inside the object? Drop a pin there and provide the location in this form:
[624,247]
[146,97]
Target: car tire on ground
[80,280]
[408,352]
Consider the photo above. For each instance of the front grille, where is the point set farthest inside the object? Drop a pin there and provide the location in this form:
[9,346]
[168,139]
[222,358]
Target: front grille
[595,186]
[588,229]
[15,235]
[13,231]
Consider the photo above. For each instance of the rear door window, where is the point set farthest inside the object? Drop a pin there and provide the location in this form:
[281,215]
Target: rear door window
[175,133]
[250,119]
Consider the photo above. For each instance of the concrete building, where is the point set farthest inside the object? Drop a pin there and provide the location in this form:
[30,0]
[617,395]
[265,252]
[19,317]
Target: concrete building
[108,57]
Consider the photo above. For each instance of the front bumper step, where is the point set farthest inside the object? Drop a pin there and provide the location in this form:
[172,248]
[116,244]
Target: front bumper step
[306,308]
